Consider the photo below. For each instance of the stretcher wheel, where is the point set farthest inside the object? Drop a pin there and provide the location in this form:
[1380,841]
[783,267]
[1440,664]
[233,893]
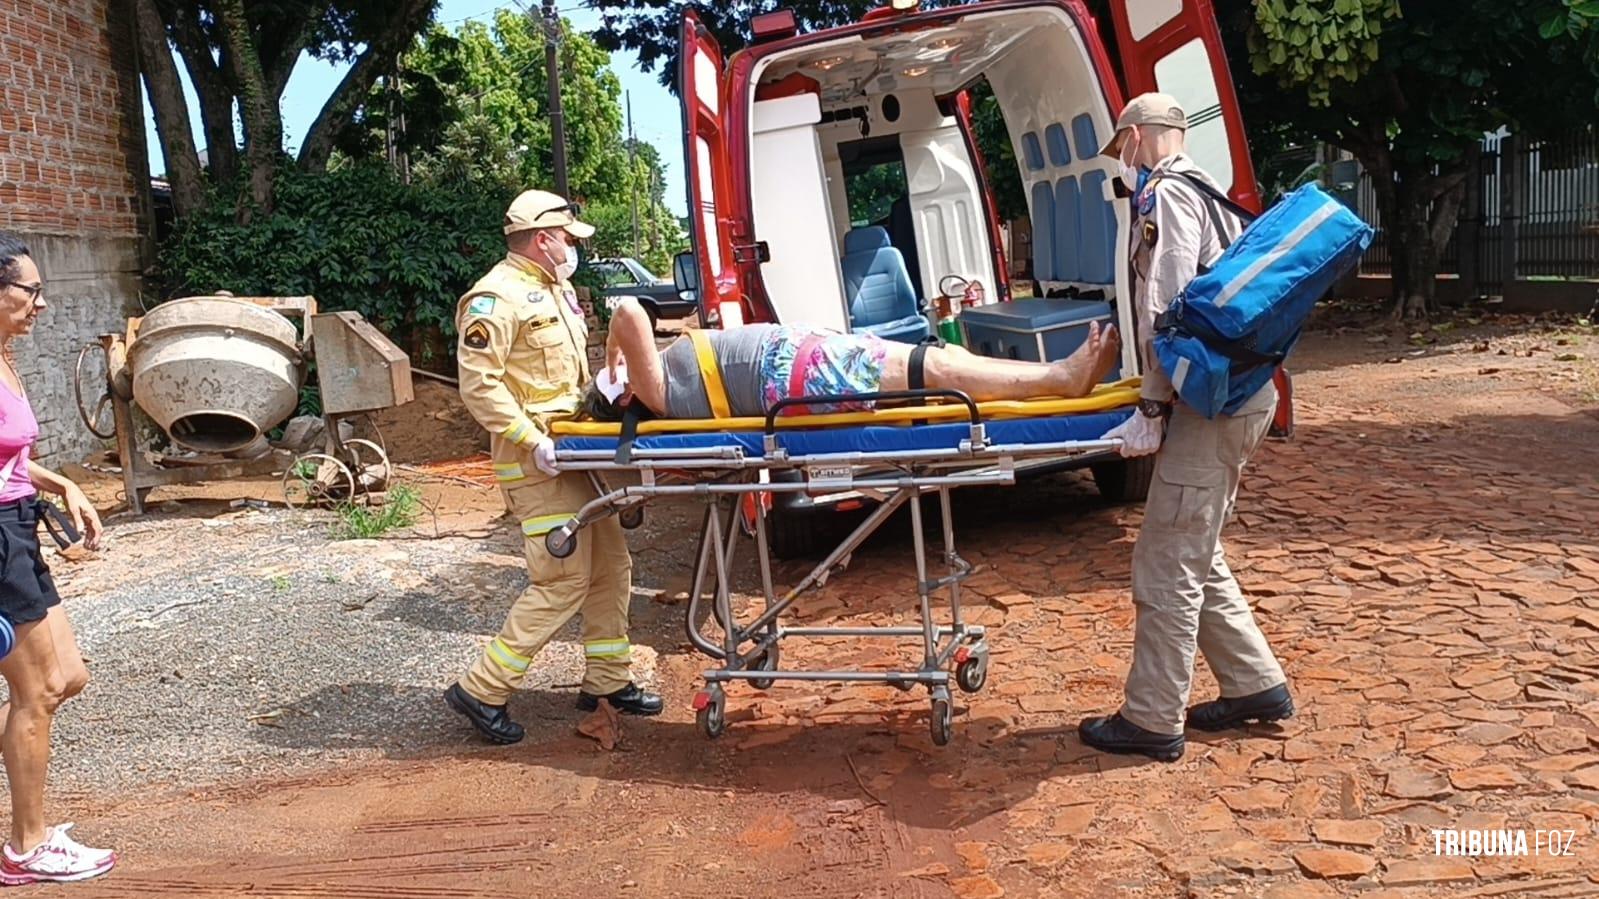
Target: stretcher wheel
[560,542]
[631,518]
[972,674]
[941,722]
[712,718]
[769,660]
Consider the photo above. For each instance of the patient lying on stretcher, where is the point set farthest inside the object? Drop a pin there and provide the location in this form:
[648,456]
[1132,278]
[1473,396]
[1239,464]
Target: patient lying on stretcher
[762,364]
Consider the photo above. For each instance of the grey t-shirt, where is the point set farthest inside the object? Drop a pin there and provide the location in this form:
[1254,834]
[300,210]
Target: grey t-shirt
[738,357]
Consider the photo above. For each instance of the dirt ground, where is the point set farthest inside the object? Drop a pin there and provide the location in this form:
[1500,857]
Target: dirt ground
[1424,556]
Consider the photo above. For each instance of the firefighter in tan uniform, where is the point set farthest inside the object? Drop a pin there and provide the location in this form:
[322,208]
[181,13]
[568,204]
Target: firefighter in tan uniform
[1185,596]
[522,360]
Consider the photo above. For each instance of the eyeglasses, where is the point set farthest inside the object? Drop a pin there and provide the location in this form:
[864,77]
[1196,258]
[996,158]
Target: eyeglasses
[34,291]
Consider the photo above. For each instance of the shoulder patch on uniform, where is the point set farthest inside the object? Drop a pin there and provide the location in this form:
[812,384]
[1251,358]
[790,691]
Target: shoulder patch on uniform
[1150,233]
[1146,199]
[482,305]
[476,336]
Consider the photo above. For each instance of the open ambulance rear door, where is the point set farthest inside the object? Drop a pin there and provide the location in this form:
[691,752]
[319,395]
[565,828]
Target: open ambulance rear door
[705,155]
[1174,46]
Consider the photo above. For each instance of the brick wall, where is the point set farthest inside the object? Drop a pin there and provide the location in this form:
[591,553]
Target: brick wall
[74,184]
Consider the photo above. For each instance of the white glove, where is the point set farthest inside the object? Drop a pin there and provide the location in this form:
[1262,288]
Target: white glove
[544,456]
[1140,435]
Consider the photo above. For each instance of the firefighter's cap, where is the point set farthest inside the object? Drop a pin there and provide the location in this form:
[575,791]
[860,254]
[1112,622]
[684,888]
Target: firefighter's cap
[541,209]
[1146,109]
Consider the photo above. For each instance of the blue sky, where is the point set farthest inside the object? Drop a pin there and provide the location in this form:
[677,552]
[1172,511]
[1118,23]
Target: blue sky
[656,115]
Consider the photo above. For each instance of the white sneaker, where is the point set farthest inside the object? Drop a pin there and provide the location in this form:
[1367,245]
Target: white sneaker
[99,855]
[59,858]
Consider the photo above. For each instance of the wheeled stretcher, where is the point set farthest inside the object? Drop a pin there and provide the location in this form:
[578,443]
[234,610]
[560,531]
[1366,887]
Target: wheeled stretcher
[894,455]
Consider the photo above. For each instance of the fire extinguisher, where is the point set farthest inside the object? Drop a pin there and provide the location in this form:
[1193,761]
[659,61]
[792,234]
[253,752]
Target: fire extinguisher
[973,295]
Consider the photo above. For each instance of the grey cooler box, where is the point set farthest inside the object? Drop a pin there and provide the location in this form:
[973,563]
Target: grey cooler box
[1043,330]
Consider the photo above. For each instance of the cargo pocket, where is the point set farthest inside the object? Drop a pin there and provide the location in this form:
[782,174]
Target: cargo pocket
[554,366]
[1187,497]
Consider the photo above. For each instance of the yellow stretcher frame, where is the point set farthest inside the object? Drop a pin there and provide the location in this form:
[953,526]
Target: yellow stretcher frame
[1104,398]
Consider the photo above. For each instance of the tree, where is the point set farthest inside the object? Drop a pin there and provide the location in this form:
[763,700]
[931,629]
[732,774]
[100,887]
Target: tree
[1410,89]
[652,29]
[473,103]
[240,53]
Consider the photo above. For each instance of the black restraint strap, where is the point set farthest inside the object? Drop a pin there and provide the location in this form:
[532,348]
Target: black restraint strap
[916,373]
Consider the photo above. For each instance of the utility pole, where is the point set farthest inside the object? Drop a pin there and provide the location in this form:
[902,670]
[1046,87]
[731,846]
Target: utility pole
[632,170]
[552,74]
[655,213]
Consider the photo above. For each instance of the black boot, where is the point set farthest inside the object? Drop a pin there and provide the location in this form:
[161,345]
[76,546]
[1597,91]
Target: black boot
[490,720]
[1220,714]
[1113,733]
[630,700]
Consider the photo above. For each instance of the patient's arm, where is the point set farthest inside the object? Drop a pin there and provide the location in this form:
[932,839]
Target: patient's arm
[632,340]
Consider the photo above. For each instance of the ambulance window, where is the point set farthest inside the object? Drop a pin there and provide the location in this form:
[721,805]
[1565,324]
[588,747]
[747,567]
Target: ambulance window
[1147,15]
[1186,74]
[708,223]
[873,192]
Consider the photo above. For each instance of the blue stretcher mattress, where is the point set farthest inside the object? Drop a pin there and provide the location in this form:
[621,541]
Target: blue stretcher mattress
[874,438]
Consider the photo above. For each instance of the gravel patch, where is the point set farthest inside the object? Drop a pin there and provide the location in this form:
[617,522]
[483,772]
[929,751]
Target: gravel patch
[252,643]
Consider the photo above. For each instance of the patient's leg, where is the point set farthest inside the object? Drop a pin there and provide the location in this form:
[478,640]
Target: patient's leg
[983,378]
[633,339]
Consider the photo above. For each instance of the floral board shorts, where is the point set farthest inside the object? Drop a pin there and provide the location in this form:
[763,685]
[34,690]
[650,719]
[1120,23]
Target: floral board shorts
[802,362]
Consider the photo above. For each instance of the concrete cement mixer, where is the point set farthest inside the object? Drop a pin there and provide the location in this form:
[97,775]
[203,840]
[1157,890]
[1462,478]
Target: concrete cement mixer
[216,373]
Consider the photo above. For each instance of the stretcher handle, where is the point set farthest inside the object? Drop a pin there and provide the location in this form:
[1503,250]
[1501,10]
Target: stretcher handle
[889,395]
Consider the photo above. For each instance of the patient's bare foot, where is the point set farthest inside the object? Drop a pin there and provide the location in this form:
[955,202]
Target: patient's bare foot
[1104,352]
[1079,372]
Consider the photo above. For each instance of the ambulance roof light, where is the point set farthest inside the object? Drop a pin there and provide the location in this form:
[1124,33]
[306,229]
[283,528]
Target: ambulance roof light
[774,25]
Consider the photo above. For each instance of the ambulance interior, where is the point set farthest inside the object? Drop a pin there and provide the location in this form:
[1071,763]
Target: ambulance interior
[868,198]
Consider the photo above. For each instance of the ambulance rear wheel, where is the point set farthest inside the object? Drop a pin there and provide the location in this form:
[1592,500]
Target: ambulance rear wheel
[1125,480]
[792,536]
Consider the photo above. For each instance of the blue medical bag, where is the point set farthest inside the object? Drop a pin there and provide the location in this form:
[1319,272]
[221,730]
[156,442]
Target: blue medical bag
[1231,327]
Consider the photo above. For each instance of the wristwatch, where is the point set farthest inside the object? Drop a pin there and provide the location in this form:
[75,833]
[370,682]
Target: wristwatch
[1154,408]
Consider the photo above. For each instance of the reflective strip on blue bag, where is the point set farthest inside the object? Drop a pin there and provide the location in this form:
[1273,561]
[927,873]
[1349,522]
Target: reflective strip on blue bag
[1285,246]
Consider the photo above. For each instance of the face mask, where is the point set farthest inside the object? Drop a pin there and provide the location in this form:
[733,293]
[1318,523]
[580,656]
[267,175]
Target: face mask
[1134,178]
[565,268]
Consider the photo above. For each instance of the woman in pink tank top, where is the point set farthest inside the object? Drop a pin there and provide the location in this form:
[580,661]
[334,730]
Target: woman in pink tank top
[44,667]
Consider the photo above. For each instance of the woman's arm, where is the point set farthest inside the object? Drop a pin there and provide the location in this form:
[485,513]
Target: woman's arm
[84,517]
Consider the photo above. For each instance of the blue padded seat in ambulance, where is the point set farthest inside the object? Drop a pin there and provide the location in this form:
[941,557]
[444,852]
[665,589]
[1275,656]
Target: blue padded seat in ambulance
[878,289]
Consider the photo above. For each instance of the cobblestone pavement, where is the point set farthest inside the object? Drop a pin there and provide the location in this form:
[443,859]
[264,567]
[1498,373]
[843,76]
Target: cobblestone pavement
[1424,557]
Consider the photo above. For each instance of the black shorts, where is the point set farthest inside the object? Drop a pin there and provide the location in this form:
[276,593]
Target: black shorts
[26,590]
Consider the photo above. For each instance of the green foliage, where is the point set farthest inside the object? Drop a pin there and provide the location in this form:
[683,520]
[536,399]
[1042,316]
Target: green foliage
[1312,44]
[401,508]
[872,193]
[999,154]
[355,239]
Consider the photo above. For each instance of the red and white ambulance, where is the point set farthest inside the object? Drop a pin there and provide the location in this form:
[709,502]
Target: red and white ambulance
[790,140]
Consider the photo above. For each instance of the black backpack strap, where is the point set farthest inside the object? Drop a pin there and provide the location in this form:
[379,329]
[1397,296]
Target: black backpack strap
[1217,198]
[1241,353]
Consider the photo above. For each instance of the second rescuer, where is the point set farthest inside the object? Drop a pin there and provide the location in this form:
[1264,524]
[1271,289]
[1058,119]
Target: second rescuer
[522,366]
